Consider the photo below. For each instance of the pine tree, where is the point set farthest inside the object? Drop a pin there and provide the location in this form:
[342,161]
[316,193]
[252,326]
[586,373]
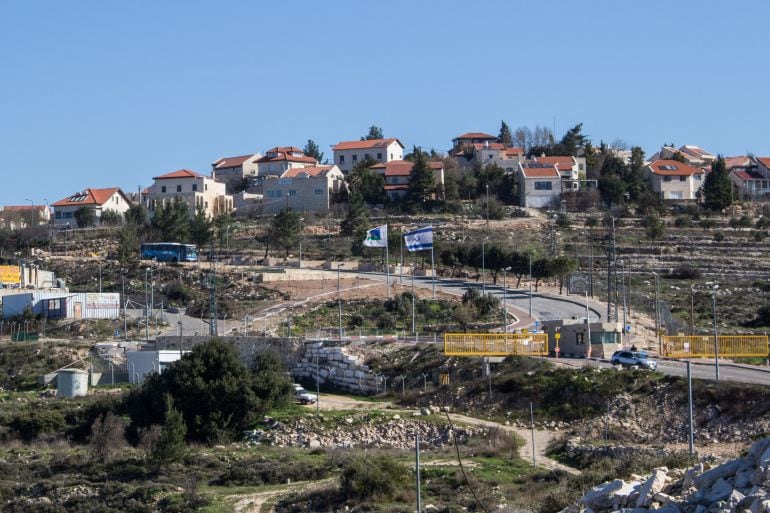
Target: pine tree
[170,447]
[171,221]
[505,136]
[311,150]
[356,219]
[200,228]
[421,182]
[375,132]
[717,189]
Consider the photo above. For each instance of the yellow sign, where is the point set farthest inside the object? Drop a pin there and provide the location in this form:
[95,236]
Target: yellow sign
[524,331]
[10,274]
[558,336]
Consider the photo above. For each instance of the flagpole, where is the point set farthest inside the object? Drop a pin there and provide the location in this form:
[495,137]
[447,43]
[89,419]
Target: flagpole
[387,262]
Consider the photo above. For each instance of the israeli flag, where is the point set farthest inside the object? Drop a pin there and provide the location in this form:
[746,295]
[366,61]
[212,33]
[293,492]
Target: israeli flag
[418,240]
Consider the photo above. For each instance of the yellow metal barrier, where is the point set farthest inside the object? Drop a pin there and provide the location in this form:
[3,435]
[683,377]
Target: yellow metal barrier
[702,346]
[495,344]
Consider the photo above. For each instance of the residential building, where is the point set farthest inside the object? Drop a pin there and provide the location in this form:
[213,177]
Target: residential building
[100,200]
[471,138]
[675,180]
[569,167]
[197,191]
[18,216]
[397,173]
[750,176]
[540,185]
[280,159]
[349,153]
[232,170]
[306,189]
[692,155]
[487,153]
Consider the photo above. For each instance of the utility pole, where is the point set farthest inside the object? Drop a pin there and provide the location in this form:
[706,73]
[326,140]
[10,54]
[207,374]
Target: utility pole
[339,303]
[610,264]
[530,284]
[212,293]
[417,470]
[716,334]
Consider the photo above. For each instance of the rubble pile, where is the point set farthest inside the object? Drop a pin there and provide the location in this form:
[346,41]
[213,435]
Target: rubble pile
[360,432]
[741,485]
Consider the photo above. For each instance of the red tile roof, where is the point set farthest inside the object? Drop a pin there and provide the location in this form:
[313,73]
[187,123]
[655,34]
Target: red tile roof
[563,162]
[765,161]
[674,168]
[94,197]
[362,145]
[490,146]
[310,171]
[403,167]
[695,151]
[748,175]
[740,161]
[231,161]
[285,153]
[513,152]
[540,171]
[23,208]
[182,173]
[475,135]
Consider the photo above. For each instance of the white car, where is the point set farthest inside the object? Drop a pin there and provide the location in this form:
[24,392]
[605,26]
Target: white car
[303,396]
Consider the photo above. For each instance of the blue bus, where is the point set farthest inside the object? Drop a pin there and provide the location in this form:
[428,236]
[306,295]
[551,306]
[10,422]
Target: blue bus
[169,252]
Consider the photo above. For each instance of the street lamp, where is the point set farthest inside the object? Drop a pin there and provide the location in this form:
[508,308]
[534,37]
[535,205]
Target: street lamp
[146,306]
[505,300]
[487,187]
[339,302]
[301,219]
[483,267]
[716,335]
[530,283]
[124,302]
[657,312]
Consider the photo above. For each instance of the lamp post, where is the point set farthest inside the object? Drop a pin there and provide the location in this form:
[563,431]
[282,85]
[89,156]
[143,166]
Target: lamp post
[339,303]
[716,334]
[301,219]
[505,301]
[146,306]
[657,312]
[483,267]
[530,283]
[487,187]
[124,302]
[413,327]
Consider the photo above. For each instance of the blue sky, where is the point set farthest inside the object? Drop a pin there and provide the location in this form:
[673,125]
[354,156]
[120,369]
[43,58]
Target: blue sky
[97,94]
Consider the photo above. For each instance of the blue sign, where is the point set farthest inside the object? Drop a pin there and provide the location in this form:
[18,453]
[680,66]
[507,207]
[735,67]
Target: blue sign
[537,324]
[628,328]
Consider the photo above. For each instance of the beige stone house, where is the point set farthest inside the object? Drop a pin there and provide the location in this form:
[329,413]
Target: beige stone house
[280,159]
[304,189]
[674,180]
[397,173]
[198,191]
[232,170]
[349,153]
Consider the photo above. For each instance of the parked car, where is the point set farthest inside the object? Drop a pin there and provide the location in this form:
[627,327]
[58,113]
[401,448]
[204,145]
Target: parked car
[633,359]
[303,396]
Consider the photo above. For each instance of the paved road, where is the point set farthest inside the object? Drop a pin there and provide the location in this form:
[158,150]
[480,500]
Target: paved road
[701,370]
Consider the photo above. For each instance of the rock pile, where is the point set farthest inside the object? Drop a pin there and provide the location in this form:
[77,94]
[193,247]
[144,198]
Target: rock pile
[741,485]
[361,432]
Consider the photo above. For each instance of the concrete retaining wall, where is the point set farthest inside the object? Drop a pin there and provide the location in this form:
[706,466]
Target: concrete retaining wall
[335,368]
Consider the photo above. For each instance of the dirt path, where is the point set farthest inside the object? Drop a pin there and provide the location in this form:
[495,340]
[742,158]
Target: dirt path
[255,502]
[543,437]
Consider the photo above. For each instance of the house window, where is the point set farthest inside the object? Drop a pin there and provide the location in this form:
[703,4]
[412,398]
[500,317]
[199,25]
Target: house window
[366,156]
[682,178]
[379,157]
[579,339]
[697,177]
[178,188]
[292,192]
[666,178]
[342,159]
[205,187]
[68,215]
[355,158]
[542,186]
[195,187]
[318,192]
[162,188]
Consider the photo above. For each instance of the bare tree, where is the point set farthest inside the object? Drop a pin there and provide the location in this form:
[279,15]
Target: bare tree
[522,138]
[107,436]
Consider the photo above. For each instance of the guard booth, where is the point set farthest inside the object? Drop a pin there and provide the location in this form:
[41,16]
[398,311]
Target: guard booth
[606,338]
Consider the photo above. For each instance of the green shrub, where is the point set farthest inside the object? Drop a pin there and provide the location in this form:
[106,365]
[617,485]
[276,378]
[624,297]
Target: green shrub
[366,477]
[719,236]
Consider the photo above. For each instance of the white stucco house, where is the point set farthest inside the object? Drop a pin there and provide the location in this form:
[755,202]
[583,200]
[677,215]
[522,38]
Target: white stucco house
[198,191]
[569,167]
[674,180]
[540,185]
[349,153]
[100,200]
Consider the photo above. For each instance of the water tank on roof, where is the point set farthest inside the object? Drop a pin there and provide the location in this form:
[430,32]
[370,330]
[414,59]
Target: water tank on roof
[72,383]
